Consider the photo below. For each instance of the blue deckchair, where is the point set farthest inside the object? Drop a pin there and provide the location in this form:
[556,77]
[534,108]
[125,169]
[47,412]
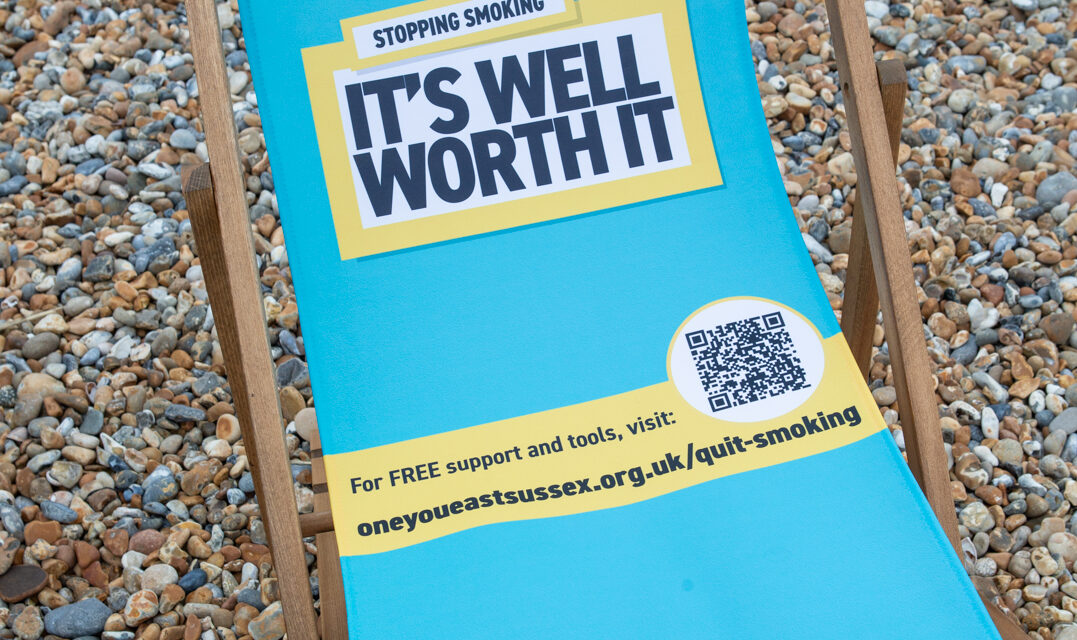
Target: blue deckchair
[512,301]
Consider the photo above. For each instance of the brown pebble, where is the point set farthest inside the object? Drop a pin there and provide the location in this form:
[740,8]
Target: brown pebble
[115,541]
[21,582]
[147,541]
[28,50]
[72,81]
[253,552]
[965,183]
[168,155]
[201,595]
[183,359]
[193,629]
[28,624]
[1049,257]
[126,291]
[96,575]
[86,553]
[51,599]
[59,18]
[244,613]
[47,530]
[66,553]
[1058,327]
[228,428]
[171,595]
[990,494]
[291,402]
[197,477]
[1002,559]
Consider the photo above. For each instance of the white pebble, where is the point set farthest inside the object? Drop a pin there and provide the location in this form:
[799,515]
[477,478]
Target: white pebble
[989,423]
[998,194]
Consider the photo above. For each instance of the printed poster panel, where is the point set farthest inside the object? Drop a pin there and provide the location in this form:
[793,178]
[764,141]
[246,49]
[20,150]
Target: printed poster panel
[601,108]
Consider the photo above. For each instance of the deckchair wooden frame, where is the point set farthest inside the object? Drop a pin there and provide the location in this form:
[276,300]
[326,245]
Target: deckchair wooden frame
[878,274]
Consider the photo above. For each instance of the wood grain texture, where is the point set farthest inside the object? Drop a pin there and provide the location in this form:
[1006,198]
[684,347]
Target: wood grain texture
[319,521]
[878,190]
[334,617]
[216,199]
[1007,626]
[861,304]
[240,328]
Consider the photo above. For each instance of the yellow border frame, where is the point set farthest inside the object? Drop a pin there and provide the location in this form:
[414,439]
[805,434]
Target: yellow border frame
[356,241]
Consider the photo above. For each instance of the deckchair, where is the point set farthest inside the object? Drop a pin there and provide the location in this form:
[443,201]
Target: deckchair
[828,541]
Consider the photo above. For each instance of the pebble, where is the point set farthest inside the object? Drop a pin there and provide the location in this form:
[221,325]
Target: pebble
[1054,187]
[58,512]
[159,486]
[83,618]
[22,581]
[183,139]
[28,625]
[884,396]
[228,428]
[156,577]
[989,423]
[141,606]
[193,580]
[184,413]
[306,423]
[1065,421]
[1008,451]
[1064,545]
[40,345]
[976,517]
[269,625]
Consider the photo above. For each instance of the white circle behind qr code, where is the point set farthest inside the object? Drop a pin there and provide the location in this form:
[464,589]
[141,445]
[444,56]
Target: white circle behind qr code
[746,360]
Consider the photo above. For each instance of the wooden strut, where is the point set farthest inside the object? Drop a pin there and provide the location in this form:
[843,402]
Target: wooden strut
[878,273]
[861,304]
[330,577]
[871,97]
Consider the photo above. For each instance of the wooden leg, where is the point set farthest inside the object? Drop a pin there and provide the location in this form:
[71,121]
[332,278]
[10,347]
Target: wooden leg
[861,304]
[334,618]
[216,198]
[232,282]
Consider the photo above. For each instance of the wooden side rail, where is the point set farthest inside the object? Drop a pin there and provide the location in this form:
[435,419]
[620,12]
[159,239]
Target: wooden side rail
[864,89]
[877,193]
[261,427]
[217,202]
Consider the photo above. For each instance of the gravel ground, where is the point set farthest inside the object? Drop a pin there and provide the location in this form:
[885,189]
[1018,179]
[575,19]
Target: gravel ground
[126,505]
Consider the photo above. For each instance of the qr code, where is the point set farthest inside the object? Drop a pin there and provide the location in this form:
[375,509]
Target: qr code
[746,361]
